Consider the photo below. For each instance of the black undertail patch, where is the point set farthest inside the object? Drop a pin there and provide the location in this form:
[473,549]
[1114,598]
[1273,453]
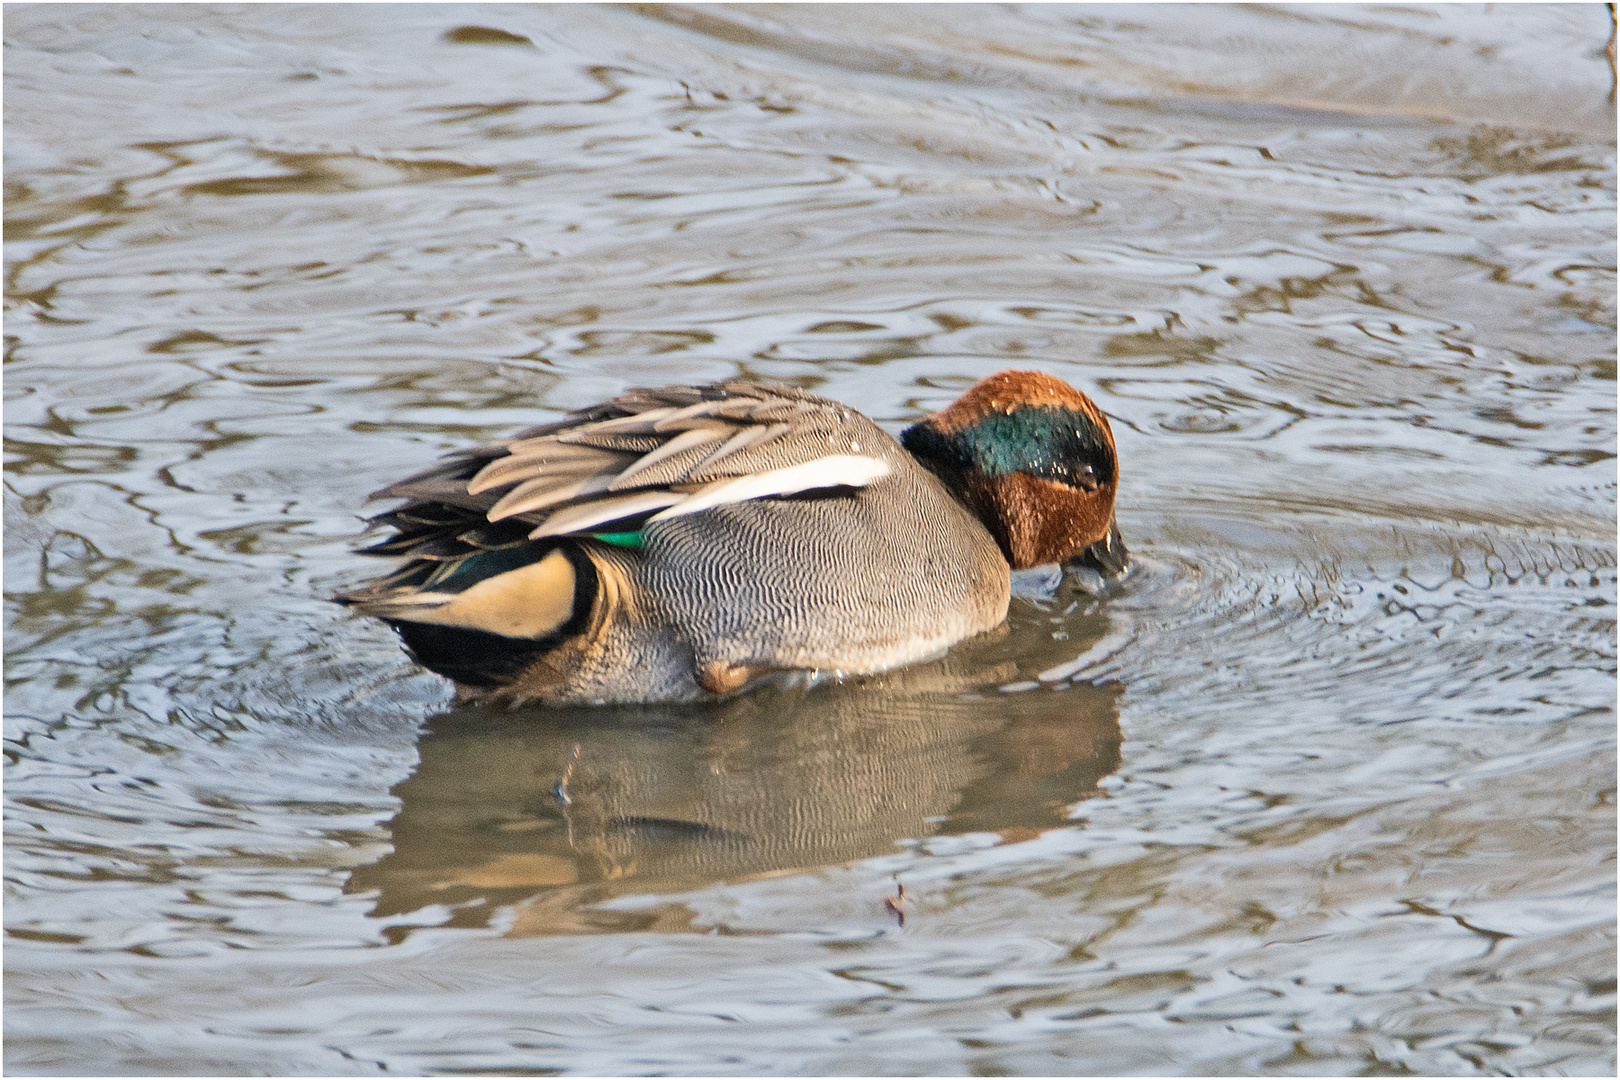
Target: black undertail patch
[470,657]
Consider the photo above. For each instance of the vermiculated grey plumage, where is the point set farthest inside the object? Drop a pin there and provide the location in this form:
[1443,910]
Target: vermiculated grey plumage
[855,576]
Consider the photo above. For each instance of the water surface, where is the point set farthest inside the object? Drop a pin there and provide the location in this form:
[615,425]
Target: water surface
[1325,786]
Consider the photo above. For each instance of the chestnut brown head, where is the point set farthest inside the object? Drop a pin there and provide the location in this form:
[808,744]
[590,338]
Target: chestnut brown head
[1034,459]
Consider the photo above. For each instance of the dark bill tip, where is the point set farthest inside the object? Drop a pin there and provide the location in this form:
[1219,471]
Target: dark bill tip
[1107,556]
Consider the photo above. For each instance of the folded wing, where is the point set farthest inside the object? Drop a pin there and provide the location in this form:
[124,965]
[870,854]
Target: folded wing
[646,455]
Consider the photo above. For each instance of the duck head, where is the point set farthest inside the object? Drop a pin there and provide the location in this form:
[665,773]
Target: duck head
[1034,459]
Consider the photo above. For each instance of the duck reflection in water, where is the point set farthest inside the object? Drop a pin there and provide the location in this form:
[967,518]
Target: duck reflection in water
[560,810]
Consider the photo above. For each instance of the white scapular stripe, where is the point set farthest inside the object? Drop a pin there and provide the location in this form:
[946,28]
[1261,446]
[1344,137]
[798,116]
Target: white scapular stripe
[836,470]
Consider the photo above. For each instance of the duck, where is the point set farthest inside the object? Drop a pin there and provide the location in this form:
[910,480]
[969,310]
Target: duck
[685,543]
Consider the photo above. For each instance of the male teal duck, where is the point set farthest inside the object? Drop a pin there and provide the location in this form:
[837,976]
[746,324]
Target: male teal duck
[678,543]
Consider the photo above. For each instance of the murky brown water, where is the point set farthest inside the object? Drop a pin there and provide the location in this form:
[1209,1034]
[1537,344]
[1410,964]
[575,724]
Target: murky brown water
[1326,786]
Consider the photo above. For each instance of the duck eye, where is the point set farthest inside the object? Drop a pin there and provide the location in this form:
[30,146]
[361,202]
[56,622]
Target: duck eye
[1081,477]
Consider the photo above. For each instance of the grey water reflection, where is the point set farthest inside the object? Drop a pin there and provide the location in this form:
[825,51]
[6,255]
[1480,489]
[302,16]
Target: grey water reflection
[559,812]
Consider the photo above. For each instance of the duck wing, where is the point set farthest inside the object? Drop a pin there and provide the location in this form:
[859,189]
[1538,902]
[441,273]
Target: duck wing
[649,454]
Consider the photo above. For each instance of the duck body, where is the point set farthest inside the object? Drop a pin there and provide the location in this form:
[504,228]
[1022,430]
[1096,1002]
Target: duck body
[678,543]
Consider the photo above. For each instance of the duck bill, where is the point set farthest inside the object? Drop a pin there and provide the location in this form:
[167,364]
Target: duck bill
[1107,556]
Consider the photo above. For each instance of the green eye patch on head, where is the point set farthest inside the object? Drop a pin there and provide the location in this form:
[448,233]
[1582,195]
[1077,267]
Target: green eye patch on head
[1053,443]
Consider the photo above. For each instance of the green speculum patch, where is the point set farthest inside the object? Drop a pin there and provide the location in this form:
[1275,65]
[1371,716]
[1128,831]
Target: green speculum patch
[620,539]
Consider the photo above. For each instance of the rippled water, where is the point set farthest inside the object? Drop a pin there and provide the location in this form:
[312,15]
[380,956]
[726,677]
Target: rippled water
[1326,786]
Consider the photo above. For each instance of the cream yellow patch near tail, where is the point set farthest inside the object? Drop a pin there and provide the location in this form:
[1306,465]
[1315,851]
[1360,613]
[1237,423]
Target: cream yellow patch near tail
[529,602]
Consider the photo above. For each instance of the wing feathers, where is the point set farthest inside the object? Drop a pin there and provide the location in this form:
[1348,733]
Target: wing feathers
[550,447]
[575,519]
[547,491]
[678,417]
[642,423]
[665,451]
[755,435]
[680,444]
[555,460]
[612,440]
[447,492]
